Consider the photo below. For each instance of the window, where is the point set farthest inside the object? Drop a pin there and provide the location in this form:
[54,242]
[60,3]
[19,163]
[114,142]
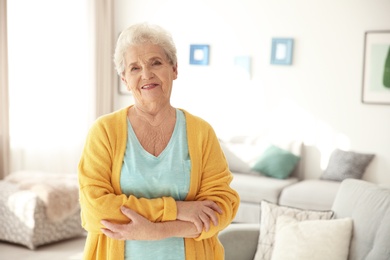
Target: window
[49,83]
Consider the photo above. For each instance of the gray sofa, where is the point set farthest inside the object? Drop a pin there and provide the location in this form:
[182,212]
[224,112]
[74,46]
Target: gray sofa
[366,203]
[242,152]
[257,163]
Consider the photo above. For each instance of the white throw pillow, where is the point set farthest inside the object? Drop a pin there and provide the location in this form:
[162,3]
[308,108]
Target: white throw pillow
[269,215]
[312,239]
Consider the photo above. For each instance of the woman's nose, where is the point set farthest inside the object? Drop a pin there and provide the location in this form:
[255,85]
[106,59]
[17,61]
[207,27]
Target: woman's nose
[147,73]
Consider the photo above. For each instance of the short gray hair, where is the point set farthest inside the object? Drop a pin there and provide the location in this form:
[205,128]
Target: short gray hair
[139,34]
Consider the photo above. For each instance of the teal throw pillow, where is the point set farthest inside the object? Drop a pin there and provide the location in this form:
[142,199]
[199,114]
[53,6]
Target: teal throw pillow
[276,162]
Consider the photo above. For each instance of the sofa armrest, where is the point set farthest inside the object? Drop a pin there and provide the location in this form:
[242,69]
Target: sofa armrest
[240,241]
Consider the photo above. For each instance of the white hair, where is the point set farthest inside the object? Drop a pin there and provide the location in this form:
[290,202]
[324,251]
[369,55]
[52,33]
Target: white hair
[139,34]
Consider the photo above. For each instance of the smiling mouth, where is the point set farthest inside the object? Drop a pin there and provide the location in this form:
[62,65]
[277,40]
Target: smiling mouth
[149,86]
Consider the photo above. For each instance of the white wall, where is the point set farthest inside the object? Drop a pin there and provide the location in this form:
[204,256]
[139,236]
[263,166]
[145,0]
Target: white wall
[317,98]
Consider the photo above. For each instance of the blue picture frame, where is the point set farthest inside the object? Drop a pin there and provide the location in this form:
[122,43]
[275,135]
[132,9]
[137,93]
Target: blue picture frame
[199,54]
[282,50]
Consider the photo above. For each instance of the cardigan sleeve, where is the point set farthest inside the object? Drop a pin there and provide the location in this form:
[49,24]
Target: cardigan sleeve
[212,174]
[98,170]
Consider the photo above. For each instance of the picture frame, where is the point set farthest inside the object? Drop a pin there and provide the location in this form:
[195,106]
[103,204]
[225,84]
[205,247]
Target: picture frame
[376,68]
[281,51]
[199,54]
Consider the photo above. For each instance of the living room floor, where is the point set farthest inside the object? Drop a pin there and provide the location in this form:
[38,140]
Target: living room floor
[65,250]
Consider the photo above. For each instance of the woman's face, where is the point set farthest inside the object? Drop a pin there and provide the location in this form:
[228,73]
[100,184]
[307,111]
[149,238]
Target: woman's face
[148,74]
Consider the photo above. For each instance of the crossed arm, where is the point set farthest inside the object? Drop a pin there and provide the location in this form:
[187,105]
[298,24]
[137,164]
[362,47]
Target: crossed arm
[211,202]
[192,218]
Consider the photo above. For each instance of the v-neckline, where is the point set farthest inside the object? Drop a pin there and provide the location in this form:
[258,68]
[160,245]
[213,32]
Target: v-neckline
[164,151]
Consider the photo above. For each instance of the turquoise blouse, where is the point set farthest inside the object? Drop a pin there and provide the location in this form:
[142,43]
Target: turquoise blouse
[147,176]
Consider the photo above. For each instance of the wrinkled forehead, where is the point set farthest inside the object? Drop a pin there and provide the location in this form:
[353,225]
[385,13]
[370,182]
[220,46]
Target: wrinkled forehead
[144,53]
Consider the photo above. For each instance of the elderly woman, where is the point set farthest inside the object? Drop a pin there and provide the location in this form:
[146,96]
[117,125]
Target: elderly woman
[154,182]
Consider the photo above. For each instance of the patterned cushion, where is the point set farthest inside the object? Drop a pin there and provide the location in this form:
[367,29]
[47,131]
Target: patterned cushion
[269,215]
[23,219]
[346,164]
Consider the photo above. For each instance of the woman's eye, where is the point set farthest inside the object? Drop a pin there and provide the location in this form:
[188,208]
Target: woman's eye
[133,69]
[156,62]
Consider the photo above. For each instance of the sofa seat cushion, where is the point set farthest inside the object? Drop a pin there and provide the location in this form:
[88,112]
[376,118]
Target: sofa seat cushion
[255,188]
[310,194]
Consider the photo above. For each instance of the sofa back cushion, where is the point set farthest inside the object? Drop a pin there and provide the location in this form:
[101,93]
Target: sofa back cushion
[242,152]
[369,206]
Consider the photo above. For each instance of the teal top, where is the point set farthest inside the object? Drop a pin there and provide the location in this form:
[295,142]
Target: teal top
[147,176]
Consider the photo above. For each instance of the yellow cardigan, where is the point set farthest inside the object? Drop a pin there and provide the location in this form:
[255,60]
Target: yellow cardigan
[101,197]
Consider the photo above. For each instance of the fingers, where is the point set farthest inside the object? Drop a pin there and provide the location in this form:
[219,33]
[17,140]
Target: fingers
[138,227]
[114,230]
[111,234]
[111,226]
[211,208]
[111,230]
[202,222]
[205,222]
[131,214]
[212,216]
[209,214]
[214,206]
[199,225]
[200,213]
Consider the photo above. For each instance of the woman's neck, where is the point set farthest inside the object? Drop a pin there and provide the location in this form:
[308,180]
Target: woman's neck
[154,117]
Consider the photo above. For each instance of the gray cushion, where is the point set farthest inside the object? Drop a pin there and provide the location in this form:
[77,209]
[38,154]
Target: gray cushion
[369,206]
[346,164]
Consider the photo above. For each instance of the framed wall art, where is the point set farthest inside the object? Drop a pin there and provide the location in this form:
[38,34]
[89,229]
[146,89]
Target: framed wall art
[199,54]
[376,68]
[281,51]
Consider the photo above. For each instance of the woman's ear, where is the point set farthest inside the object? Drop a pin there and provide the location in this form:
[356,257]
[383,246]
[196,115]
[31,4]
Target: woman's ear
[175,71]
[124,81]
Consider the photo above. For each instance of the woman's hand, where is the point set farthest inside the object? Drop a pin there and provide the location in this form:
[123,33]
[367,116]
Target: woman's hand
[139,228]
[200,213]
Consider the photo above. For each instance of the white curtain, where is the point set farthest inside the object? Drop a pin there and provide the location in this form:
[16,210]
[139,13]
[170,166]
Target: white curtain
[60,73]
[61,78]
[104,38]
[4,121]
